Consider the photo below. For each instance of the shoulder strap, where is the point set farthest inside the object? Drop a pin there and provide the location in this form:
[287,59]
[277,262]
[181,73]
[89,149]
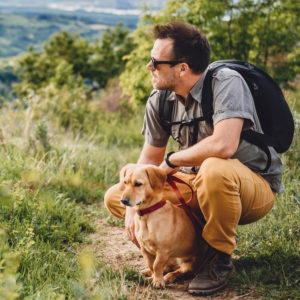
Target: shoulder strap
[207,95]
[165,109]
[165,115]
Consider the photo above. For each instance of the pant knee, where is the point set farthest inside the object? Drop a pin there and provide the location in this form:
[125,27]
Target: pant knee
[214,166]
[108,197]
[112,201]
[215,173]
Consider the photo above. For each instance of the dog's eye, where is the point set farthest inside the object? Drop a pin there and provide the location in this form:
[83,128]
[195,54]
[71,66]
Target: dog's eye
[125,182]
[137,184]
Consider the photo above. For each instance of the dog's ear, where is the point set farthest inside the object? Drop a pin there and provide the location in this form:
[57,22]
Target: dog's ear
[123,173]
[157,176]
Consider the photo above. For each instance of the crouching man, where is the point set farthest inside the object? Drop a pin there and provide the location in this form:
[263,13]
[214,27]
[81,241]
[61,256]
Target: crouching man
[218,165]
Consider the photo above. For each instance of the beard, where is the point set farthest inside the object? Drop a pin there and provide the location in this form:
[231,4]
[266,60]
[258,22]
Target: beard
[160,83]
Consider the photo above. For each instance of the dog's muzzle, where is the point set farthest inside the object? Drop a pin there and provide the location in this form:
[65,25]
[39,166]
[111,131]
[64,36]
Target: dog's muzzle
[125,201]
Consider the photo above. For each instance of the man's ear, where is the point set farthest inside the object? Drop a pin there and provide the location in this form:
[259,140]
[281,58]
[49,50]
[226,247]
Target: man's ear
[157,176]
[184,67]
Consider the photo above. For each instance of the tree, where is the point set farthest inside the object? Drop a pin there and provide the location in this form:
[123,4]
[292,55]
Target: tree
[263,32]
[107,60]
[87,62]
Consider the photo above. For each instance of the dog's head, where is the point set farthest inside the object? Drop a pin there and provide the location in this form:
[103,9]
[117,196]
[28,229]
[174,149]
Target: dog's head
[141,184]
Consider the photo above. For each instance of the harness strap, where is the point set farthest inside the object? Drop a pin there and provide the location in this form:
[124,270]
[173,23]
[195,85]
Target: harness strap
[150,209]
[198,224]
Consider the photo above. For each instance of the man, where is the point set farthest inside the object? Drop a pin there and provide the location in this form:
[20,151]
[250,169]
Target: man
[219,166]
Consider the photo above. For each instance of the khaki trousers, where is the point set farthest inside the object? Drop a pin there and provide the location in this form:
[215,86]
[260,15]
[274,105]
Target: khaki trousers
[227,192]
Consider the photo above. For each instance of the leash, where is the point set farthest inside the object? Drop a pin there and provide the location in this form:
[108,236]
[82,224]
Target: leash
[198,224]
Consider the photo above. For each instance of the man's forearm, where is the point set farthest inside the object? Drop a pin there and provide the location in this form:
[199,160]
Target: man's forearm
[151,155]
[196,154]
[223,144]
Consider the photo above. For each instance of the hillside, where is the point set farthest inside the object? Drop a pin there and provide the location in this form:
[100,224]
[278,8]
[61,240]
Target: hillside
[19,30]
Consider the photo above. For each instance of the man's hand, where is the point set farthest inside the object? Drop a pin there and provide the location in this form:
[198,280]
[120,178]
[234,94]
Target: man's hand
[129,225]
[167,169]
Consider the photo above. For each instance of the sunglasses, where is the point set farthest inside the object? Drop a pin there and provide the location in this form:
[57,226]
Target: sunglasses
[167,62]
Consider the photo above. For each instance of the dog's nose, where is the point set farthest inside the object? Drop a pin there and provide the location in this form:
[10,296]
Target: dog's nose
[125,200]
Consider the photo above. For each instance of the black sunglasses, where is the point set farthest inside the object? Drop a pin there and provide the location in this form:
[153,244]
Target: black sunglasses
[167,62]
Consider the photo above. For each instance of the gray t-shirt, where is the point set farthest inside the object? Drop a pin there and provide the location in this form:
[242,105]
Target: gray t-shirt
[232,99]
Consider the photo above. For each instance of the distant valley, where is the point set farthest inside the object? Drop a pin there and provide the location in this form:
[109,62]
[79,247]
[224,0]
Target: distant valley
[32,22]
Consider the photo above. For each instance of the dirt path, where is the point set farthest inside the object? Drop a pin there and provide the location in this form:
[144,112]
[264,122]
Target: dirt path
[110,245]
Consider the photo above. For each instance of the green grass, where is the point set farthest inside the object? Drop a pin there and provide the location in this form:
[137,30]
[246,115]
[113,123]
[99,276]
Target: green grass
[49,180]
[269,250]
[52,184]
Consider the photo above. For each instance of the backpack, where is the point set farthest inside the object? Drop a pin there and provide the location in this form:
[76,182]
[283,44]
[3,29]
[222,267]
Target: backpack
[272,109]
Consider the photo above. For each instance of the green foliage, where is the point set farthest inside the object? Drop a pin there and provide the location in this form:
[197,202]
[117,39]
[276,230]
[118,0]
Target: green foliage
[262,32]
[41,224]
[136,79]
[108,54]
[65,105]
[7,78]
[53,83]
[9,262]
[69,60]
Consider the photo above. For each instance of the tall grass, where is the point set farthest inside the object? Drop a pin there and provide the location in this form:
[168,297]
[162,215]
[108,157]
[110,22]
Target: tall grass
[48,178]
[269,250]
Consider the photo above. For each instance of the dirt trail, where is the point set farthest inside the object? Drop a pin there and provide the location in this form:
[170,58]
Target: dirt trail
[110,245]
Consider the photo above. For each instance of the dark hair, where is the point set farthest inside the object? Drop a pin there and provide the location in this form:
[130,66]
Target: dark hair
[190,44]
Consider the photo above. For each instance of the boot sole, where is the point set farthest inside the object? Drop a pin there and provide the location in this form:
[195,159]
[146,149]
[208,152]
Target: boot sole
[211,291]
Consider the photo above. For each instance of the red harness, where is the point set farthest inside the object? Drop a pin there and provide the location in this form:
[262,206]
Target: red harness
[198,224]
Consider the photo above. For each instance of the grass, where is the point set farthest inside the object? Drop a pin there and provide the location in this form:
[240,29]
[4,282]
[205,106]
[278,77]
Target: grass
[52,185]
[49,181]
[269,250]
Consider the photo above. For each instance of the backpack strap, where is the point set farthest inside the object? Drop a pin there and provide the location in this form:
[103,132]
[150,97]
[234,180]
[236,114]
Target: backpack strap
[207,95]
[165,115]
[252,137]
[165,109]
[258,140]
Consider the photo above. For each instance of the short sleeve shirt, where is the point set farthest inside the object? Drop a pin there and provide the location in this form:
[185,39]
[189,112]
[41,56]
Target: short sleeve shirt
[232,99]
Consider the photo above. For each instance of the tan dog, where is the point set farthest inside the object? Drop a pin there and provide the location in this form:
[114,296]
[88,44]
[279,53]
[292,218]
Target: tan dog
[163,234]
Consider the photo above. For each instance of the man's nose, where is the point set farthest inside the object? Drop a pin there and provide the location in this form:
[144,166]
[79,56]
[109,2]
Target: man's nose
[150,65]
[125,200]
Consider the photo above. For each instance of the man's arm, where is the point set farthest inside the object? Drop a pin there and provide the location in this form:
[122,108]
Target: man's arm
[222,143]
[151,155]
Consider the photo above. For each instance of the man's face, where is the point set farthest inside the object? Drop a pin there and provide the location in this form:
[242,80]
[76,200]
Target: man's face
[164,76]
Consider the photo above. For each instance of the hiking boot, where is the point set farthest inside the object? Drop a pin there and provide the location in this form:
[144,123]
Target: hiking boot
[214,273]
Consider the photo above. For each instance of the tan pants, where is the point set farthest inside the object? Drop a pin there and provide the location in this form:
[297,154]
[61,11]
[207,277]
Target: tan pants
[228,194]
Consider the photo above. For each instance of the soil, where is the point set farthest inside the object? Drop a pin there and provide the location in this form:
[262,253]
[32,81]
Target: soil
[111,245]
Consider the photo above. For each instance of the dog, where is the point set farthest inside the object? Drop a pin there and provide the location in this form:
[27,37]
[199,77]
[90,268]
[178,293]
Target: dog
[165,234]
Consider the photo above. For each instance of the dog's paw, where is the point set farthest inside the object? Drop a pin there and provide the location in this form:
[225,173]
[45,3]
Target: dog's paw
[147,272]
[170,277]
[158,283]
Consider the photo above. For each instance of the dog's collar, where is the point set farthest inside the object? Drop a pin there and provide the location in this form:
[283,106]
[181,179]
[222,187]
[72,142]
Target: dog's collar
[150,209]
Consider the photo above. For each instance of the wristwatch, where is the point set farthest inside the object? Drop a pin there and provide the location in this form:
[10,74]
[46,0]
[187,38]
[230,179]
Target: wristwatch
[168,162]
